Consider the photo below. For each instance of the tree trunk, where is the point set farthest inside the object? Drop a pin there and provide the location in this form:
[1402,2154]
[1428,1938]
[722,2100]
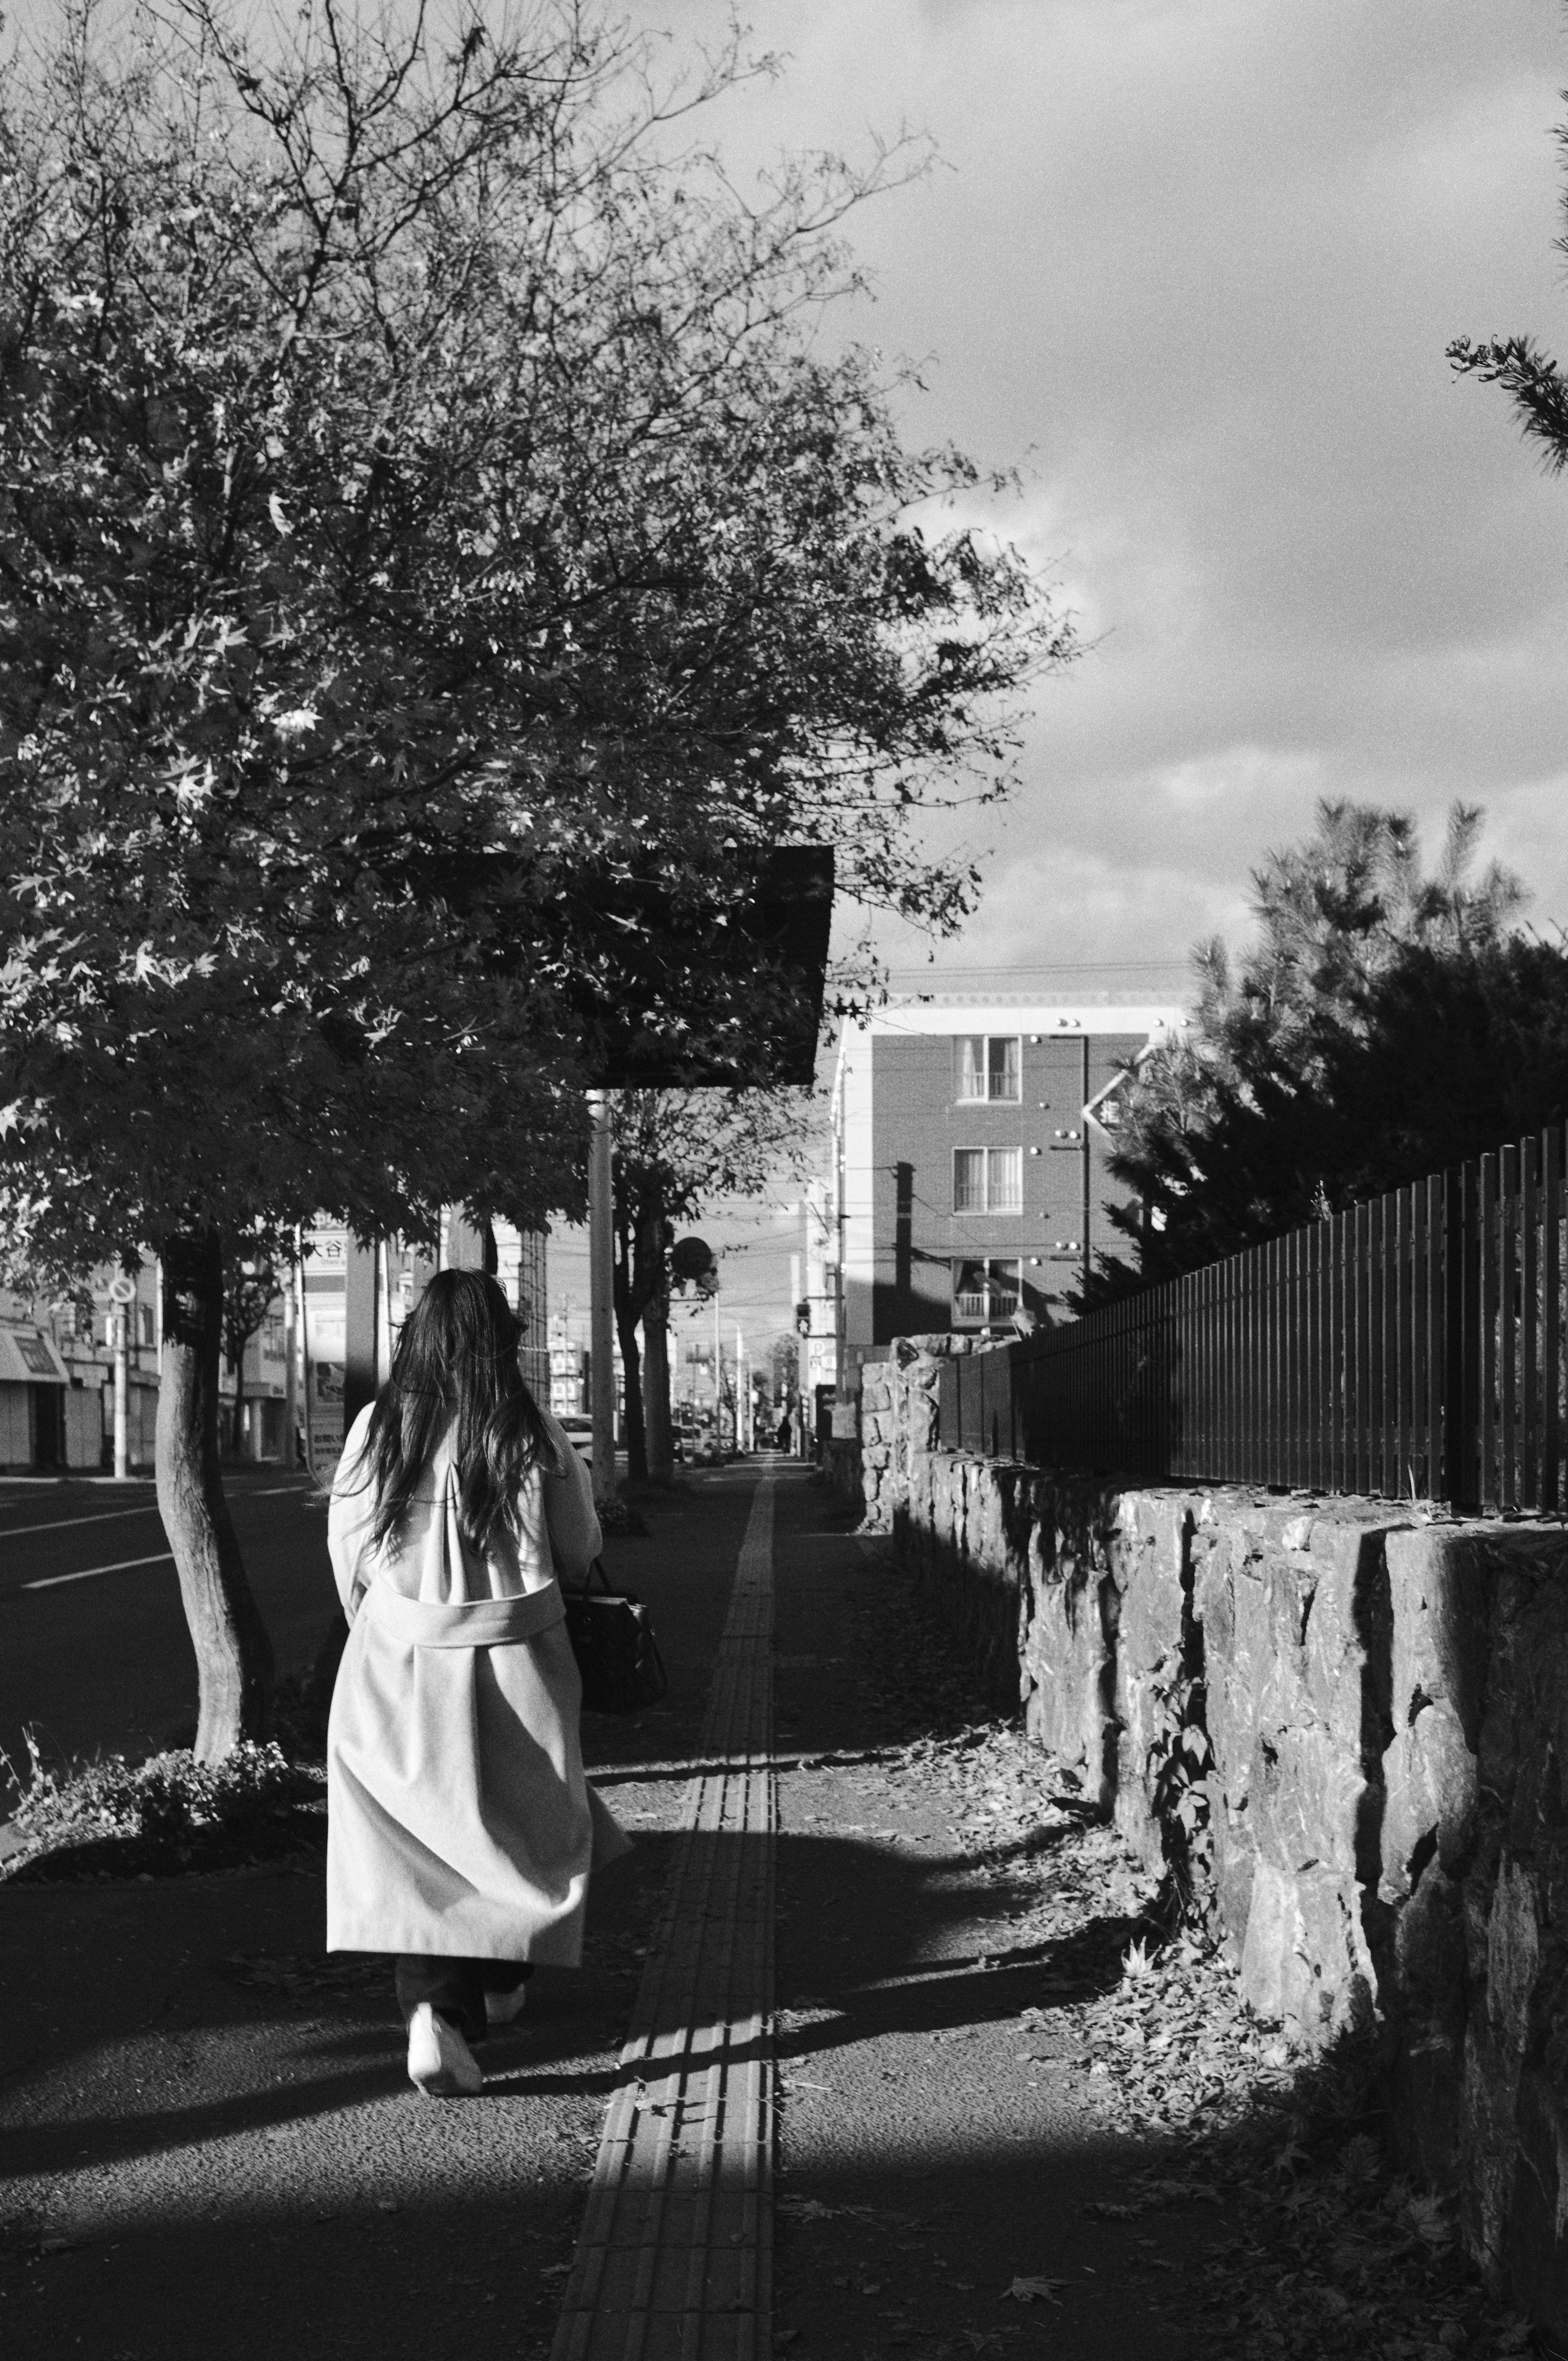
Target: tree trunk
[650,1293]
[636,1432]
[238,1428]
[234,1654]
[657,1387]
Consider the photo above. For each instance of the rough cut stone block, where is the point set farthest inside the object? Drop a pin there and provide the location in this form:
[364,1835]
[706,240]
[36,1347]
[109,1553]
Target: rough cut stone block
[1387,1702]
[1068,1674]
[1147,1562]
[1302,1962]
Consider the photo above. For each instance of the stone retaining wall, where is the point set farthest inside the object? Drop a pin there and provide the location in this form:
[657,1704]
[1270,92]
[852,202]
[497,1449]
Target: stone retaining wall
[1345,1722]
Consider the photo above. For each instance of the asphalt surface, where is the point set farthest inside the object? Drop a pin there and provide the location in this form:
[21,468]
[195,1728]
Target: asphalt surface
[94,1655]
[927,2161]
[208,2144]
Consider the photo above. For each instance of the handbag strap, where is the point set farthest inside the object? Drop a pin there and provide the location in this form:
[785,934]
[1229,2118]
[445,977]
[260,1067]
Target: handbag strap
[584,1588]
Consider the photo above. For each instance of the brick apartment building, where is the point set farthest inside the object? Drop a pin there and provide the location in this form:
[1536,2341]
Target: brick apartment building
[969,1173]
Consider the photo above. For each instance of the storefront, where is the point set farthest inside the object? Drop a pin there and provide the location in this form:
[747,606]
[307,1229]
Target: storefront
[44,1421]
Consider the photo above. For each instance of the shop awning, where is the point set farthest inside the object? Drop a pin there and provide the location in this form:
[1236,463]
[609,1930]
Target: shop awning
[28,1360]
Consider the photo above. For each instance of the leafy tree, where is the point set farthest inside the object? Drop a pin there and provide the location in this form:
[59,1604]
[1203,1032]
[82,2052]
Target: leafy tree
[1531,380]
[676,1152]
[1295,1090]
[423,516]
[784,1365]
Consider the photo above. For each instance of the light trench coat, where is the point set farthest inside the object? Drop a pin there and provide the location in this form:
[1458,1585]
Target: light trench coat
[459,1823]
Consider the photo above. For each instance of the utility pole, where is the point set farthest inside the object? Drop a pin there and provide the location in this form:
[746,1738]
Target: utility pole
[717,1375]
[306,1372]
[291,1371]
[601,1298]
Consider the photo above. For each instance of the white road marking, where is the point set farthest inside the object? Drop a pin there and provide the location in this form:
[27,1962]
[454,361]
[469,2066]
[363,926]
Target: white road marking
[99,1517]
[160,1557]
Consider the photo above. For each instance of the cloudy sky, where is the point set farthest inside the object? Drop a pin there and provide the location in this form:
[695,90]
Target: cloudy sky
[1194,264]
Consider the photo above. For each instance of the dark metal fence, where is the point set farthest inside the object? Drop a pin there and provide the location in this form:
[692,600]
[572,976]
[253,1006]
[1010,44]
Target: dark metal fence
[1411,1347]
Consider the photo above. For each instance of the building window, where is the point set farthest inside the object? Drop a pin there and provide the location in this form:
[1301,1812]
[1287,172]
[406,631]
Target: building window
[988,1068]
[984,1290]
[988,1180]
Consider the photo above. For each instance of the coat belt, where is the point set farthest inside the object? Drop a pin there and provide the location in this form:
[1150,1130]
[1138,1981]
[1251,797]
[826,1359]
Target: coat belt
[466,1622]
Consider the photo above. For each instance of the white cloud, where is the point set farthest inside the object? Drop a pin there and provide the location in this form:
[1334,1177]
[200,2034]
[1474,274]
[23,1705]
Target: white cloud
[1202,260]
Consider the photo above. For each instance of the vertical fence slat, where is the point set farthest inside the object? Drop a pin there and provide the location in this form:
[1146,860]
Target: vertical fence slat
[1448,1359]
[1419,1448]
[1228,1383]
[1507,1324]
[1359,1361]
[1464,1315]
[1266,1320]
[1390,1484]
[1487,1314]
[1252,1307]
[1238,1387]
[1236,1390]
[1404,1334]
[1374,1350]
[1318,1460]
[1279,1376]
[1339,1471]
[1328,1465]
[1291,1407]
[1212,1441]
[1529,1323]
[1551,1316]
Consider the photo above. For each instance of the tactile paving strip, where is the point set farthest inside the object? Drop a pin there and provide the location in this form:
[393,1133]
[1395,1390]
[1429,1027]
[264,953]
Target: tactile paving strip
[674,2257]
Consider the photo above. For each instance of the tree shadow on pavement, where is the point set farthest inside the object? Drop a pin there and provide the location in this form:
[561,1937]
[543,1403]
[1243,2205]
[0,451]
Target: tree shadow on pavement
[336,2018]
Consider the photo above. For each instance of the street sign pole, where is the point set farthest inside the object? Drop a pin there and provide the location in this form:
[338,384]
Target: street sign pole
[122,1450]
[122,1295]
[601,1297]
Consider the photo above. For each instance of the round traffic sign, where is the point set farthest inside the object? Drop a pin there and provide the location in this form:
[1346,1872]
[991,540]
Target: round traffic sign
[122,1290]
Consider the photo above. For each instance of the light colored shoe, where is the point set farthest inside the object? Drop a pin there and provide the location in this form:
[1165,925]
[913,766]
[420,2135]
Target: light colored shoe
[439,2061]
[505,2007]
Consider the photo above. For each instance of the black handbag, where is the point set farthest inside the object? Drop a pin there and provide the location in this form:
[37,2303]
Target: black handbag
[612,1638]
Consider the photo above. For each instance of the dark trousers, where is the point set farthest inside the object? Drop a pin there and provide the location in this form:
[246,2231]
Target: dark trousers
[455,1988]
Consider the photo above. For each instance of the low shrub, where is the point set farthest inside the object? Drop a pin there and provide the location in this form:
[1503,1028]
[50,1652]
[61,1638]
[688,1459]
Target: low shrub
[160,1814]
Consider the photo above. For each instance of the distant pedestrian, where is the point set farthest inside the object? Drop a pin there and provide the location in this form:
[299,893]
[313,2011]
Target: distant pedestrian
[461,1831]
[782,1437]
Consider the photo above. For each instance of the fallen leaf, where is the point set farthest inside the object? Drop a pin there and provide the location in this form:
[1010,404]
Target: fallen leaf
[1033,2291]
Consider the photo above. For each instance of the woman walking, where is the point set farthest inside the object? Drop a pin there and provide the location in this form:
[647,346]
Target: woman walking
[461,1831]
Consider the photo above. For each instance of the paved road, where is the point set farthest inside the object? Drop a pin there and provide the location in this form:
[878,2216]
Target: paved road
[93,1650]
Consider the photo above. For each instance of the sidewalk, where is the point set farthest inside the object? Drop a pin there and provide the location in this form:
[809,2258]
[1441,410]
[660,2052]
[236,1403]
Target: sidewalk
[1000,2132]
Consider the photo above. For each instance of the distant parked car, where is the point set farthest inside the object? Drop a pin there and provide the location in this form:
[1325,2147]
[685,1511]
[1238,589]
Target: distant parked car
[580,1435]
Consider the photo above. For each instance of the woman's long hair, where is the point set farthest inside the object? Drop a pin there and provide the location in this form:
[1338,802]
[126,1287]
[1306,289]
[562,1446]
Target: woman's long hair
[456,1360]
